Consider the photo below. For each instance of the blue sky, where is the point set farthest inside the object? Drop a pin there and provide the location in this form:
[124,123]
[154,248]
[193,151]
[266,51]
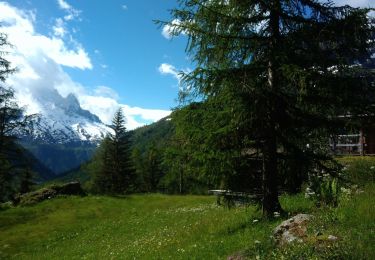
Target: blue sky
[110,54]
[116,49]
[124,45]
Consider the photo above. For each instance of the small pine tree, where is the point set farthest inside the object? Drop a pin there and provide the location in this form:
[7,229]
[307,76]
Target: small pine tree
[115,174]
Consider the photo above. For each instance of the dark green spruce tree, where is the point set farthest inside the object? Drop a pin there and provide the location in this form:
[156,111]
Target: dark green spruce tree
[116,174]
[210,146]
[295,66]
[13,165]
[153,171]
[175,164]
[100,170]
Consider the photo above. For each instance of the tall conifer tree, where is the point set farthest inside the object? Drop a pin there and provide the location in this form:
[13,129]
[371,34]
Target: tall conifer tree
[12,121]
[116,172]
[296,65]
[120,154]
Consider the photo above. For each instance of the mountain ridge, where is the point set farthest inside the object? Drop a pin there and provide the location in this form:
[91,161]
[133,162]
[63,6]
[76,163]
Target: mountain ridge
[62,135]
[62,120]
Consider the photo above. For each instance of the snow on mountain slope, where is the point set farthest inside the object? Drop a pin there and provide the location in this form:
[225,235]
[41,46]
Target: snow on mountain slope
[62,120]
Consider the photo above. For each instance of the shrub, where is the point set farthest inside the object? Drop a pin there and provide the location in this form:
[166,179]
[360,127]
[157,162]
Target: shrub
[325,189]
[358,169]
[5,205]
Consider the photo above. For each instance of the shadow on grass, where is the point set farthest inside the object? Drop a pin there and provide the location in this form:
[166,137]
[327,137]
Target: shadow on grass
[16,216]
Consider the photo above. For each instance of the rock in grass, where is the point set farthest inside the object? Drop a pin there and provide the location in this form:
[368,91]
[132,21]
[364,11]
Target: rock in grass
[237,256]
[71,188]
[291,230]
[332,238]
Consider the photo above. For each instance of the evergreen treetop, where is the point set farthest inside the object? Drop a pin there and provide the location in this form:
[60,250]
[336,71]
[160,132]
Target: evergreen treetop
[115,174]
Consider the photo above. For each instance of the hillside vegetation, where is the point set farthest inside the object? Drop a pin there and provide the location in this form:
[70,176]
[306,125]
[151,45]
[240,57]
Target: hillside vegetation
[60,158]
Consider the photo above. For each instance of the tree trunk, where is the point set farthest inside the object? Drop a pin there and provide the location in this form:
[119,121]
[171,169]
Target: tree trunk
[181,180]
[271,202]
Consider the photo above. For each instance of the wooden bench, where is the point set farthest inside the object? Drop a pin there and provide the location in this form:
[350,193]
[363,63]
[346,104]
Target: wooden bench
[231,198]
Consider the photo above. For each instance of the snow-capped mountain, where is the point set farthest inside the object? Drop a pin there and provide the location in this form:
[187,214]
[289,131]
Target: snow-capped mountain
[62,120]
[62,135]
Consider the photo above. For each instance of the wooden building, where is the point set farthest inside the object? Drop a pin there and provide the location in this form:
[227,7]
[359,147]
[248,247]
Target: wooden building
[369,141]
[357,143]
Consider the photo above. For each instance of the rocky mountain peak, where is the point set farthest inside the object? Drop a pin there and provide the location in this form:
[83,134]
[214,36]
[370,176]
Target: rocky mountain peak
[72,102]
[62,120]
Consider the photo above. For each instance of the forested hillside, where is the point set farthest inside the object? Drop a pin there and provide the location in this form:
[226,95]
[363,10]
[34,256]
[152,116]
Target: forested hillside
[156,171]
[60,158]
[40,171]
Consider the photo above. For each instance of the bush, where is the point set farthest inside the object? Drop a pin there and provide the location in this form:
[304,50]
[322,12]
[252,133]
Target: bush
[325,190]
[358,169]
[5,205]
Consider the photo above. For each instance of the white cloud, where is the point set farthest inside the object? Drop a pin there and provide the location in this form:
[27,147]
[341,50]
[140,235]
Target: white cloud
[71,12]
[105,108]
[103,102]
[59,28]
[105,91]
[28,102]
[167,30]
[168,69]
[146,114]
[18,25]
[63,5]
[356,3]
[40,63]
[124,7]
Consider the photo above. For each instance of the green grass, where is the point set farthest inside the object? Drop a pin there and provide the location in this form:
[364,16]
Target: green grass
[186,227]
[176,227]
[140,226]
[353,222]
[359,169]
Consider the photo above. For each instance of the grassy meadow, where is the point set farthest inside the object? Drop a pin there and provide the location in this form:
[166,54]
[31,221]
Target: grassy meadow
[182,227]
[139,226]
